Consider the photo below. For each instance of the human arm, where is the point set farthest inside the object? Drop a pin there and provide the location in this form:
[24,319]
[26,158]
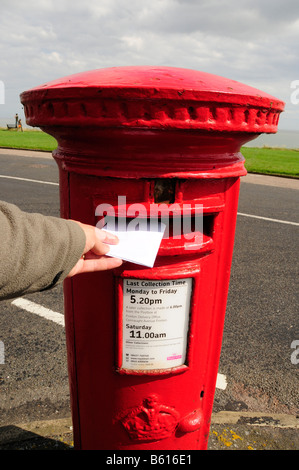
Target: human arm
[37,251]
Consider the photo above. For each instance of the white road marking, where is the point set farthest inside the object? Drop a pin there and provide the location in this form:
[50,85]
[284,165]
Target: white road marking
[29,180]
[37,309]
[2,360]
[268,219]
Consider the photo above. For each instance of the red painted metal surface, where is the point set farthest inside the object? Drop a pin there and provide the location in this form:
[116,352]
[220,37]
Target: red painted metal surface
[153,135]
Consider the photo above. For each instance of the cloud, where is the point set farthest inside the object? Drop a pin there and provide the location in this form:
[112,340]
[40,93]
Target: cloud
[254,42]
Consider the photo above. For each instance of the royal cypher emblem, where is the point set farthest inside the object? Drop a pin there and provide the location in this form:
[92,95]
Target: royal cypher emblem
[151,420]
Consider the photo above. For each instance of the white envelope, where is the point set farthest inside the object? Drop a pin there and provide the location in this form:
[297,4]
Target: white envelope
[138,242]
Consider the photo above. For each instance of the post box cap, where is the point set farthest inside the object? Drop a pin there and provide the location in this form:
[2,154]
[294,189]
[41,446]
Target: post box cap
[152,97]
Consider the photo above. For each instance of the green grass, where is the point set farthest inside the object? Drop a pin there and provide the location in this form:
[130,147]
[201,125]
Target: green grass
[271,161]
[35,140]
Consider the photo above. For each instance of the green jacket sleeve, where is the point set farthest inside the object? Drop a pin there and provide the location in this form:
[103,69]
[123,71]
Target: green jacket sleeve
[36,251]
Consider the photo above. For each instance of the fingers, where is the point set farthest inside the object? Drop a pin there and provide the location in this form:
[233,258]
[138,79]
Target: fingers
[106,237]
[91,263]
[103,263]
[97,238]
[96,247]
[102,241]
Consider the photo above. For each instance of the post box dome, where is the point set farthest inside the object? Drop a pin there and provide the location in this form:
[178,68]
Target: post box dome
[152,97]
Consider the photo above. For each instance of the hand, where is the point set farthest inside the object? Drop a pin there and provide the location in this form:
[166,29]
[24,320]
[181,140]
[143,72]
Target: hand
[96,247]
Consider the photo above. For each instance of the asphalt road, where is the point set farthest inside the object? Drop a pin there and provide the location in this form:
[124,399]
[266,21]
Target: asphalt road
[262,312]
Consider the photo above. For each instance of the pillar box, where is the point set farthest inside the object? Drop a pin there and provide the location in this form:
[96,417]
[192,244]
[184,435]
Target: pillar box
[143,344]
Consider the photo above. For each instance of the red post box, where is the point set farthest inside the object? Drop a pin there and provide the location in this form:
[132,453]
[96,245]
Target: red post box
[143,344]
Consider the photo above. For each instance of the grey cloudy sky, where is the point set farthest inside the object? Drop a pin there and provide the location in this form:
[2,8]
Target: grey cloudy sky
[253,41]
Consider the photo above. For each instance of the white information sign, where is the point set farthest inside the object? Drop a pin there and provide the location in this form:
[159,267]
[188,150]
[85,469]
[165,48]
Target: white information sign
[155,323]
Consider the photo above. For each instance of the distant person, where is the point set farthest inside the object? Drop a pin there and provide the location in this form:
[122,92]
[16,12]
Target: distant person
[17,119]
[20,125]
